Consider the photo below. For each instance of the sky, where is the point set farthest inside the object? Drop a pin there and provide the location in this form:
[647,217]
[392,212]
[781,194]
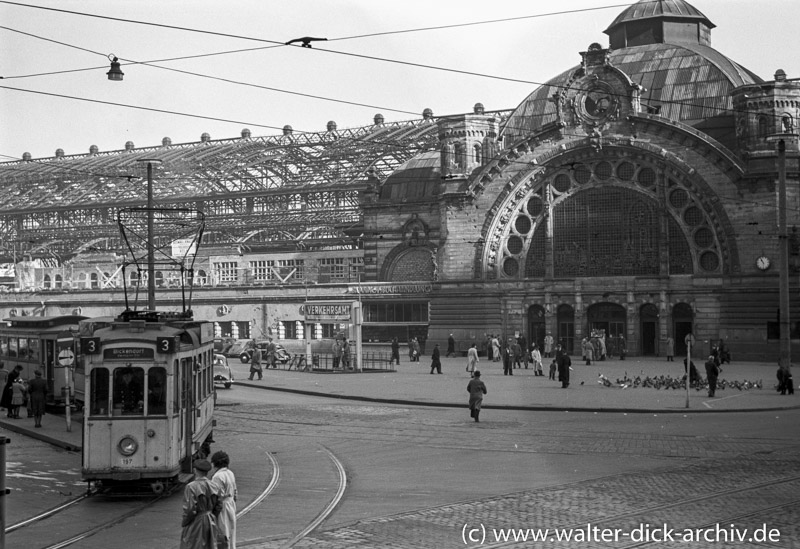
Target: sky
[388,57]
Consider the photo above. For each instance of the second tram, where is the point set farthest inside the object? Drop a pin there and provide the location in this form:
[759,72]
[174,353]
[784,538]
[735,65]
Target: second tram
[149,398]
[45,344]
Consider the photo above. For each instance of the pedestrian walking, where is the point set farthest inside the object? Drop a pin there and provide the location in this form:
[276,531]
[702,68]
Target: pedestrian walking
[200,504]
[225,483]
[476,389]
[712,372]
[472,359]
[436,363]
[536,358]
[489,348]
[417,349]
[451,346]
[670,349]
[37,397]
[516,353]
[623,349]
[255,363]
[587,351]
[395,351]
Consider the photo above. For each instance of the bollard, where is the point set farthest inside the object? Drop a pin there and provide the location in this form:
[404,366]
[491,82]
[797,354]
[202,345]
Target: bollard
[3,490]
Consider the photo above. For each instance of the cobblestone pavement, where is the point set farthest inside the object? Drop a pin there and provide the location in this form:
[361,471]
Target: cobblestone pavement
[717,481]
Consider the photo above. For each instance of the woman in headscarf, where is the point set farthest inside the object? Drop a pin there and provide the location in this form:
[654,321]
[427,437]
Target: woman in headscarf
[225,483]
[8,390]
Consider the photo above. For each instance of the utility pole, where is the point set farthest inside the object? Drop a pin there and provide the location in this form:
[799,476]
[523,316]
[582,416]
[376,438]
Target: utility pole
[151,260]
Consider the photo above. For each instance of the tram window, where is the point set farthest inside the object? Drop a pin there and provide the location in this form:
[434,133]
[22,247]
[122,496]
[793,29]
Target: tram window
[4,346]
[12,346]
[23,347]
[98,400]
[176,395]
[128,391]
[157,391]
[33,349]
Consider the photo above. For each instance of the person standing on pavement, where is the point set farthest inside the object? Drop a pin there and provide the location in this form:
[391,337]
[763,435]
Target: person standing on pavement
[548,345]
[37,395]
[785,381]
[337,353]
[712,372]
[564,362]
[536,358]
[271,351]
[451,346]
[255,363]
[18,393]
[508,359]
[8,390]
[523,344]
[225,482]
[417,349]
[395,351]
[496,352]
[476,389]
[200,505]
[436,363]
[516,351]
[3,379]
[472,359]
[670,349]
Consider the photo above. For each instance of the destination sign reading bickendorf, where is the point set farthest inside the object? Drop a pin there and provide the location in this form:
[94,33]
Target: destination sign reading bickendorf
[128,353]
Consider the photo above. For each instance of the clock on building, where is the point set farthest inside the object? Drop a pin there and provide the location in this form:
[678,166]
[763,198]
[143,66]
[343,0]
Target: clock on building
[763,263]
[598,103]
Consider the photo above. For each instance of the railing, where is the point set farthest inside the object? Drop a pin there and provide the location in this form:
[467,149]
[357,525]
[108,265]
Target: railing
[324,363]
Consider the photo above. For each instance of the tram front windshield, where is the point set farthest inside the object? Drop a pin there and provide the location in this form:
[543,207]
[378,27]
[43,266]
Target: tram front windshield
[128,391]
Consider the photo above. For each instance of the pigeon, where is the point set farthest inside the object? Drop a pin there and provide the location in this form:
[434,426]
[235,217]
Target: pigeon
[306,41]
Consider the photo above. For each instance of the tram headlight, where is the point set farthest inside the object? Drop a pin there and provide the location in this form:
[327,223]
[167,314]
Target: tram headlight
[127,445]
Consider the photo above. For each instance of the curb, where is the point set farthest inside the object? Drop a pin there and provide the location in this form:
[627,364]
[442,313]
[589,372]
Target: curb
[406,402]
[40,436]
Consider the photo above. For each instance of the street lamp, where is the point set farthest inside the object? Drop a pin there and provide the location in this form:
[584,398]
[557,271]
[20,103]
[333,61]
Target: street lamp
[115,73]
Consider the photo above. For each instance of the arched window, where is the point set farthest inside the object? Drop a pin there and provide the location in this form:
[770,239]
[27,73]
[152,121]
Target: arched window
[478,154]
[46,282]
[762,126]
[59,281]
[94,282]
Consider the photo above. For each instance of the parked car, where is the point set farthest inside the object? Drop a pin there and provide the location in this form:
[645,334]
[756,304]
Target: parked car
[223,375]
[281,354]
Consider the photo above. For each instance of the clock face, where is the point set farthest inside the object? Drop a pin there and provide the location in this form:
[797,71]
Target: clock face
[597,104]
[763,263]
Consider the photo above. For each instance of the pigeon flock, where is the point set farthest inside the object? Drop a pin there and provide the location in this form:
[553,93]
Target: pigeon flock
[669,382]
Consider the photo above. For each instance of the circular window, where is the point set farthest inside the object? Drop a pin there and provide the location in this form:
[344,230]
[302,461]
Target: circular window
[703,237]
[647,177]
[678,198]
[693,216]
[514,245]
[625,171]
[561,183]
[535,206]
[523,224]
[582,174]
[510,266]
[709,261]
[603,170]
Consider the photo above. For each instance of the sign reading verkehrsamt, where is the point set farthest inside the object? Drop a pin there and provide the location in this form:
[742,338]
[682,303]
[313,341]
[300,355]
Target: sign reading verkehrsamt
[328,311]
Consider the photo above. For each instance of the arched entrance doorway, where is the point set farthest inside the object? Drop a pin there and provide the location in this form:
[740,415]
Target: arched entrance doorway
[648,329]
[565,333]
[536,325]
[610,319]
[682,325]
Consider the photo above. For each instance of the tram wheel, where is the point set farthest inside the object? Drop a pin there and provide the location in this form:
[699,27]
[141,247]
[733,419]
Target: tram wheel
[157,487]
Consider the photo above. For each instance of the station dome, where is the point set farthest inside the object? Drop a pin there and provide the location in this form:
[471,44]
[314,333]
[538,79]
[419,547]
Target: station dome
[664,46]
[417,179]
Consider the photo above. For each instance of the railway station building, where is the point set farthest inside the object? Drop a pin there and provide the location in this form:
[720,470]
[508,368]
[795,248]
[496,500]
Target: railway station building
[635,193]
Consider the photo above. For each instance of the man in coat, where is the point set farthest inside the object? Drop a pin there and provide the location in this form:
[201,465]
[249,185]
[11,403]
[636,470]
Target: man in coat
[200,506]
[564,362]
[712,372]
[476,389]
[436,363]
[451,346]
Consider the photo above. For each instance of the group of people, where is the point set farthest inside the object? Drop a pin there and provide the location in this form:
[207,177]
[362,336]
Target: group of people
[343,353]
[209,505]
[598,347]
[18,392]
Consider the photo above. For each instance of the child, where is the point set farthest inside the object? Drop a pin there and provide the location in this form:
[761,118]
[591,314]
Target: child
[553,368]
[18,398]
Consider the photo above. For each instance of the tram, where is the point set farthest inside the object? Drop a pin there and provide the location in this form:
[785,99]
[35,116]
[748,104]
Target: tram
[150,398]
[46,344]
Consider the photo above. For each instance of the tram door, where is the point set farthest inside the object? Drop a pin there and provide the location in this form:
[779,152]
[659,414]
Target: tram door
[48,360]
